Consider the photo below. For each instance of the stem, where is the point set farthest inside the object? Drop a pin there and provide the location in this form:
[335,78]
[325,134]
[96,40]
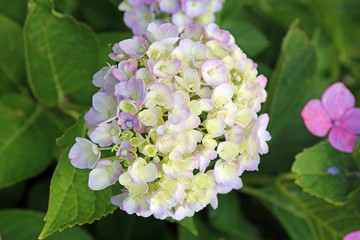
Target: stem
[249,190]
[106,148]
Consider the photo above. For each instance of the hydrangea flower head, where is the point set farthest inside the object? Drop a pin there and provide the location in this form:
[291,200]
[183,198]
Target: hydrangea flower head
[335,112]
[178,119]
[138,14]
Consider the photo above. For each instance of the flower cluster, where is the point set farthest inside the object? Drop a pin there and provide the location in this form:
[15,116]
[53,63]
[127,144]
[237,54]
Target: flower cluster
[176,119]
[140,13]
[335,111]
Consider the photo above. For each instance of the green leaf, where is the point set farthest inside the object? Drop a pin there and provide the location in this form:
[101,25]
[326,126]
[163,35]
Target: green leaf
[305,216]
[11,196]
[38,196]
[71,201]
[291,78]
[291,85]
[61,54]
[205,232]
[285,210]
[12,56]
[107,40]
[14,10]
[228,218]
[18,224]
[132,227]
[189,224]
[327,173]
[20,124]
[78,129]
[250,39]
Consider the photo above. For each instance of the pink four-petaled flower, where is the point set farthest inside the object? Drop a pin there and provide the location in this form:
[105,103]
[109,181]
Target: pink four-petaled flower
[336,111]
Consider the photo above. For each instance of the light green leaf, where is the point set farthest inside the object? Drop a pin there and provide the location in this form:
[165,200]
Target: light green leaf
[250,39]
[228,218]
[327,173]
[21,156]
[71,201]
[12,70]
[18,224]
[305,216]
[61,54]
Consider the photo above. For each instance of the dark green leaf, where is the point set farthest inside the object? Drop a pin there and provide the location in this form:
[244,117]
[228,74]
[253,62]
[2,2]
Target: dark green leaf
[61,54]
[250,39]
[21,156]
[12,70]
[16,10]
[228,219]
[291,79]
[132,227]
[18,224]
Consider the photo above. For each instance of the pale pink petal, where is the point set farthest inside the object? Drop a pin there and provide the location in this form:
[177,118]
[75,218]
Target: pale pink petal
[99,179]
[316,119]
[342,140]
[350,121]
[337,99]
[135,48]
[352,236]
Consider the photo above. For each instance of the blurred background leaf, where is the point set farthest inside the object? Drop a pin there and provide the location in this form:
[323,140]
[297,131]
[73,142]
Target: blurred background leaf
[18,224]
[20,124]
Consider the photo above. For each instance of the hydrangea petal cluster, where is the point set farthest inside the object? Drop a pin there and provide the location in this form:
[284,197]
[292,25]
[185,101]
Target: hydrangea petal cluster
[335,112]
[140,13]
[177,120]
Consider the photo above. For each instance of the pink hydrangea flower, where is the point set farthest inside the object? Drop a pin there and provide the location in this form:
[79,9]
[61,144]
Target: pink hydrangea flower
[335,112]
[352,236]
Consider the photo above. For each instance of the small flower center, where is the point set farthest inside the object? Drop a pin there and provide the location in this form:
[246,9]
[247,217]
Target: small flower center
[123,152]
[129,124]
[159,98]
[112,132]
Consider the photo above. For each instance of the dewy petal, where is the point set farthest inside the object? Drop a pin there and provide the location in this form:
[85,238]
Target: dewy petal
[316,118]
[337,99]
[350,121]
[342,140]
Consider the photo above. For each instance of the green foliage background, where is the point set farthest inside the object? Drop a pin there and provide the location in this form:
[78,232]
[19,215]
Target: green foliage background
[48,54]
